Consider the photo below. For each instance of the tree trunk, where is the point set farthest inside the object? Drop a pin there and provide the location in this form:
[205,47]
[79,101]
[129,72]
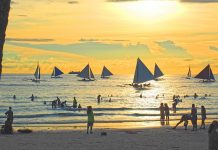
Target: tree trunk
[4,12]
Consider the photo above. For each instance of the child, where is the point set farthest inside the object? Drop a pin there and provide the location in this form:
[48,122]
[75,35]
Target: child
[203,117]
[91,119]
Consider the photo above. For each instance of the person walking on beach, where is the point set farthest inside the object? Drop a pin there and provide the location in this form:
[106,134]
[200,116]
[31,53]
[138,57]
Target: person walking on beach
[10,115]
[162,115]
[90,120]
[167,113]
[203,117]
[194,117]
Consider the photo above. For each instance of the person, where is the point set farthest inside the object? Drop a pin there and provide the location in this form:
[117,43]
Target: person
[54,104]
[203,117]
[184,119]
[58,101]
[162,116]
[10,115]
[99,98]
[174,107]
[140,96]
[79,106]
[74,102]
[63,104]
[32,97]
[91,119]
[8,127]
[195,95]
[110,99]
[194,117]
[167,113]
[213,135]
[14,97]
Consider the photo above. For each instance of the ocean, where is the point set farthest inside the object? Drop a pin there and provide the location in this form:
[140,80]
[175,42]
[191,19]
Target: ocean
[126,106]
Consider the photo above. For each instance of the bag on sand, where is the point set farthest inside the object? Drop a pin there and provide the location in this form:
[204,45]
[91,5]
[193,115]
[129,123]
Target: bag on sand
[213,136]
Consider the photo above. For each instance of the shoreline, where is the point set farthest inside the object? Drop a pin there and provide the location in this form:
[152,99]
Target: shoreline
[111,125]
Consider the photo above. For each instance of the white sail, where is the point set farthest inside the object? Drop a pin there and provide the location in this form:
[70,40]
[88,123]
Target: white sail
[157,72]
[189,75]
[105,72]
[87,73]
[142,73]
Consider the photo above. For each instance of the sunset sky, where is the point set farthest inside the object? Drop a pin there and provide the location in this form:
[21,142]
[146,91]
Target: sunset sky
[70,34]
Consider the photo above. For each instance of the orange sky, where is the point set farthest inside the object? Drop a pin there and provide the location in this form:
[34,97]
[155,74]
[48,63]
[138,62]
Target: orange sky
[70,34]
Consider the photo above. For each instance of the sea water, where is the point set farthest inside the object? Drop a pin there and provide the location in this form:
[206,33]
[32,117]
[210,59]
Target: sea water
[125,106]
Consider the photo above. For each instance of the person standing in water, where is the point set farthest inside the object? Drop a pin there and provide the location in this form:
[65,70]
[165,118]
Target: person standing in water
[91,119]
[99,99]
[203,117]
[194,117]
[74,102]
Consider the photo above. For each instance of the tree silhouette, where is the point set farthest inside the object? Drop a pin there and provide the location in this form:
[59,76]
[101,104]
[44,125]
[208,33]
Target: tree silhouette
[4,12]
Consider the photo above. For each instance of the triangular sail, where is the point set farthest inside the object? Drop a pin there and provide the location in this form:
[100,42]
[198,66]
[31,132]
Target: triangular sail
[86,73]
[189,73]
[142,73]
[157,72]
[37,72]
[106,72]
[206,74]
[91,74]
[56,72]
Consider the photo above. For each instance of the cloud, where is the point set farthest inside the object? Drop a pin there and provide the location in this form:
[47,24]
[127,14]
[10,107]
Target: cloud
[213,48]
[200,1]
[73,2]
[94,49]
[28,40]
[102,40]
[121,0]
[171,49]
[188,59]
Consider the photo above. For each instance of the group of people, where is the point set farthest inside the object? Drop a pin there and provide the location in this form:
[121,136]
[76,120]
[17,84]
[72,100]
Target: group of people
[100,98]
[7,127]
[193,117]
[164,113]
[57,103]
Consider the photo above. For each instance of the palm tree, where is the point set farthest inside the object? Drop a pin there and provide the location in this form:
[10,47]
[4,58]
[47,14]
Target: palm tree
[4,12]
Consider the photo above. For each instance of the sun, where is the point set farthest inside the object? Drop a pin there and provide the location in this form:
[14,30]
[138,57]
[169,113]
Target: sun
[151,10]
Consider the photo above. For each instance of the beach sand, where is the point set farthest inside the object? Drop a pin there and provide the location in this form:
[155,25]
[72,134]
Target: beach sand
[162,138]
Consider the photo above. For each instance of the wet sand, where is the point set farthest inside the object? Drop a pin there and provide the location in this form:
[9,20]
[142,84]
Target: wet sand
[161,138]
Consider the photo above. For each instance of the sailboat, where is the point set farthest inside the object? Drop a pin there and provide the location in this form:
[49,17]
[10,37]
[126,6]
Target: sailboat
[106,73]
[87,74]
[142,74]
[157,72]
[206,74]
[37,74]
[56,73]
[189,75]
